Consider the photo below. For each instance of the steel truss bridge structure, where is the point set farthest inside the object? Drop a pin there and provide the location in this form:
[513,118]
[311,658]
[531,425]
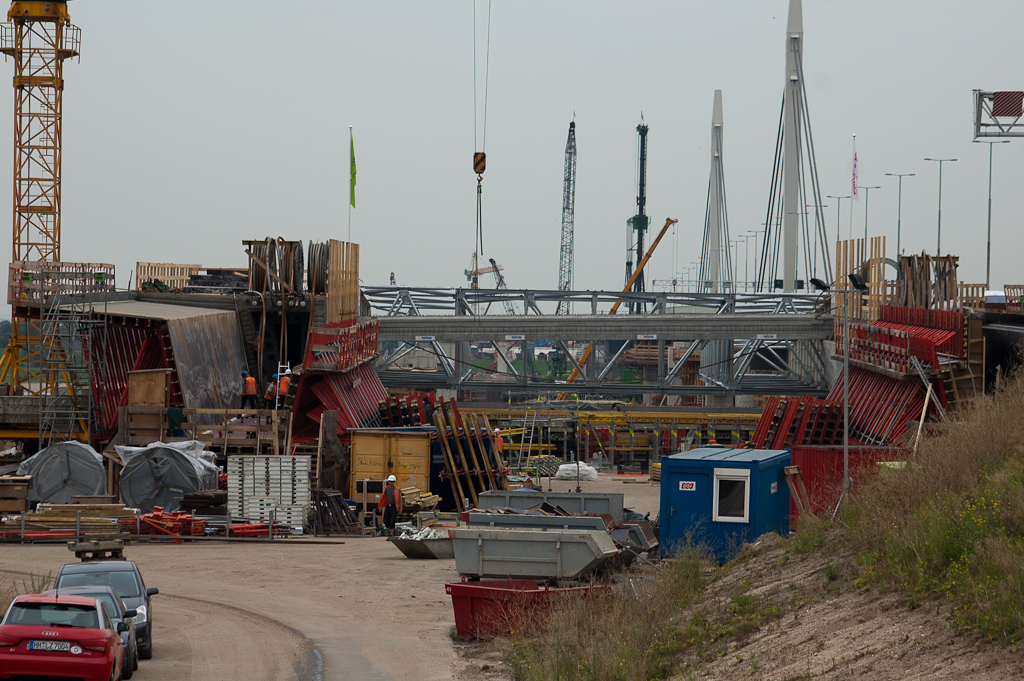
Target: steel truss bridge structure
[782,334]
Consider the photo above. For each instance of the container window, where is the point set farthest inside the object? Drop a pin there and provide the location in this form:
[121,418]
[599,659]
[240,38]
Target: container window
[731,495]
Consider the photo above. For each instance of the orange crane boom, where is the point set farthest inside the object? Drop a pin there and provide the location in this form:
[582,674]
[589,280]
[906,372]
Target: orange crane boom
[629,284]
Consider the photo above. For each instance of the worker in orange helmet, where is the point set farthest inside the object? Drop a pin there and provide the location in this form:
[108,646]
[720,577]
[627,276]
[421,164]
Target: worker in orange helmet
[248,390]
[391,503]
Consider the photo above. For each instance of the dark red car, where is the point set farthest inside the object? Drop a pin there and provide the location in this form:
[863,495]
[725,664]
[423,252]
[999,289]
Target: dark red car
[63,636]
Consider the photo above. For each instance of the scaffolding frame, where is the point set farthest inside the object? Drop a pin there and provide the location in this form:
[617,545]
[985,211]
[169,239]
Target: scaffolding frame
[69,329]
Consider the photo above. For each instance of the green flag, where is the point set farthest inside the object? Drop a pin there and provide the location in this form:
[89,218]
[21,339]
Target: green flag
[352,167]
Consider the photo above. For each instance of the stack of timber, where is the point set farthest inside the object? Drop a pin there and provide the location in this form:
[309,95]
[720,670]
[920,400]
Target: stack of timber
[415,500]
[655,472]
[468,448]
[63,520]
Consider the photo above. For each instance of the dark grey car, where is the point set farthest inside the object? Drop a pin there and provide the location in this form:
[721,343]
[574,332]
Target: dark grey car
[122,576]
[118,612]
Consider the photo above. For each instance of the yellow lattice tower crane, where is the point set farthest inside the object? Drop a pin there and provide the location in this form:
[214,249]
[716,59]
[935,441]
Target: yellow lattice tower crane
[39,36]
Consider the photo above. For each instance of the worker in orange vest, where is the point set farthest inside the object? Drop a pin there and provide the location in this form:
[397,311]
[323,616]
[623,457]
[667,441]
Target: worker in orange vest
[499,444]
[391,503]
[282,388]
[271,394]
[248,390]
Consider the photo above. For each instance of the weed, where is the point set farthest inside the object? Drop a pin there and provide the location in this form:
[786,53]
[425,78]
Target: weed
[621,635]
[9,589]
[810,539]
[832,570]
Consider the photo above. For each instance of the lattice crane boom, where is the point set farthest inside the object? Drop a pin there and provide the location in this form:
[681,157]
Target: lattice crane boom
[565,254]
[40,36]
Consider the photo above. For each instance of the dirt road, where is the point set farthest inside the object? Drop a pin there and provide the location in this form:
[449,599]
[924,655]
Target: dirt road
[292,611]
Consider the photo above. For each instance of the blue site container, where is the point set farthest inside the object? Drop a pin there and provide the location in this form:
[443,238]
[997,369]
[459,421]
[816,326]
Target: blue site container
[722,498]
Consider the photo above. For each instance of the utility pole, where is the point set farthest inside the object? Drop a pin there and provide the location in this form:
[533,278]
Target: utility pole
[839,207]
[938,232]
[867,198]
[988,247]
[899,207]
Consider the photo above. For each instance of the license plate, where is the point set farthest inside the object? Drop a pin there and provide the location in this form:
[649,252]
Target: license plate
[52,646]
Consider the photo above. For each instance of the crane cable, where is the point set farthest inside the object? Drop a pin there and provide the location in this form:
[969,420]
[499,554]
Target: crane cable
[480,157]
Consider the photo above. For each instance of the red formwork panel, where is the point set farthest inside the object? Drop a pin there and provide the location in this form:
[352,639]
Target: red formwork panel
[496,608]
[764,424]
[792,406]
[821,469]
[948,320]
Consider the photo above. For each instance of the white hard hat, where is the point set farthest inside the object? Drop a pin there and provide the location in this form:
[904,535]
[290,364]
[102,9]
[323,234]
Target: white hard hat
[287,372]
[496,430]
[392,478]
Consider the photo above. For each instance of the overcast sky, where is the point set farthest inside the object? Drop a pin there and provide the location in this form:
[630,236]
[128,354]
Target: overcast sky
[190,126]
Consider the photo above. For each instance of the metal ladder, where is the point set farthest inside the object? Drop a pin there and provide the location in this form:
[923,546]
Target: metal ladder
[522,441]
[248,330]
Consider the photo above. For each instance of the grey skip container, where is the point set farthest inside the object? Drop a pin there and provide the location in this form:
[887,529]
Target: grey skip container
[638,533]
[573,502]
[531,553]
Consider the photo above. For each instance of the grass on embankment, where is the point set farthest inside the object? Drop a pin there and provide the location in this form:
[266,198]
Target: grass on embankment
[620,635]
[952,521]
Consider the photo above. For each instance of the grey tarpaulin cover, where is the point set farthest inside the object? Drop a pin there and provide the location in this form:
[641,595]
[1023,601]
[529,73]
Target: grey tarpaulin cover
[64,470]
[160,474]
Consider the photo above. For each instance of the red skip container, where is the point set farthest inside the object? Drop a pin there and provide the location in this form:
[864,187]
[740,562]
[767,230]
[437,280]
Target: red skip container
[499,607]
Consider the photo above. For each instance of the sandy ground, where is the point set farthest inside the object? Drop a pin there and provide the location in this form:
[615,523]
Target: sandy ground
[355,610]
[833,630]
[361,610]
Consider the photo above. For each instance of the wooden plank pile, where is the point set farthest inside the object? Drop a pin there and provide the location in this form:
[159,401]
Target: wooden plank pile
[414,500]
[66,519]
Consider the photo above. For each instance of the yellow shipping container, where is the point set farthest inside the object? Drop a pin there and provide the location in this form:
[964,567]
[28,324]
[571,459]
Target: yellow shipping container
[376,454]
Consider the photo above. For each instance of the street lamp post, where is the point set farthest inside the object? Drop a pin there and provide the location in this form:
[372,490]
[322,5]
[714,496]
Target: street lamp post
[867,198]
[746,262]
[758,250]
[938,242]
[899,207]
[815,206]
[735,262]
[988,248]
[839,206]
